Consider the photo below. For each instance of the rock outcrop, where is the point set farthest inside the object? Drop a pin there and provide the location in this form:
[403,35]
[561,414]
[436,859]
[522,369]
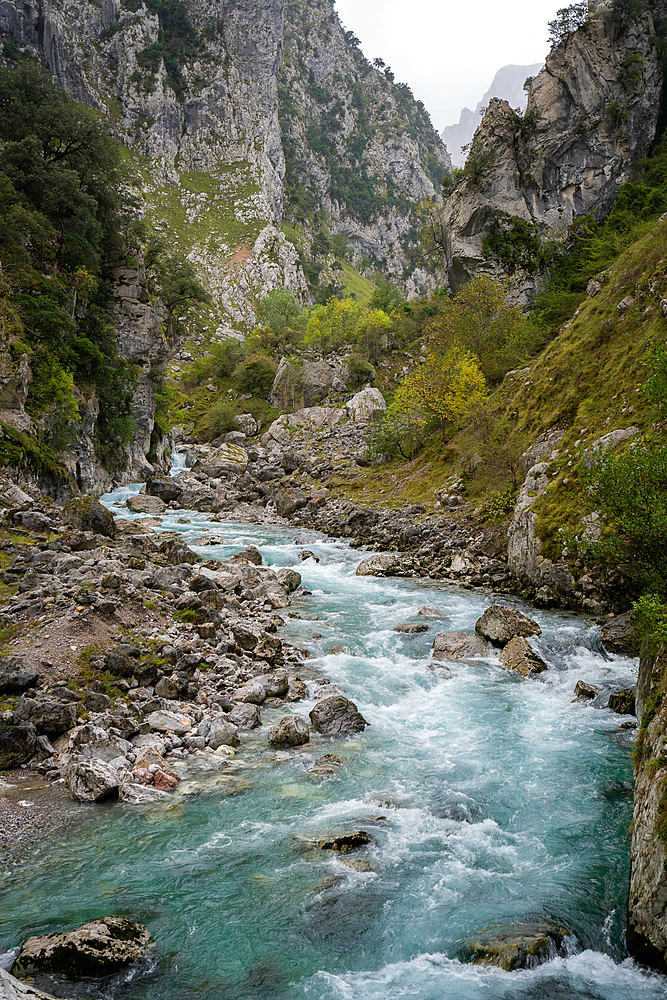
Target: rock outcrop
[591,114]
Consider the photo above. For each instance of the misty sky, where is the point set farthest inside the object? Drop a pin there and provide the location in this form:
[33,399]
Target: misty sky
[449,52]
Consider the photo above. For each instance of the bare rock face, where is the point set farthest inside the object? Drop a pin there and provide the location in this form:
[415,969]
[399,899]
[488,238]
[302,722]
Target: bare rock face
[619,636]
[585,125]
[336,716]
[646,933]
[499,624]
[98,948]
[519,656]
[459,646]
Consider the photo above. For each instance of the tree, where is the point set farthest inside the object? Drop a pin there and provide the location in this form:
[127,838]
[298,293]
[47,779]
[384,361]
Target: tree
[333,325]
[448,386]
[431,230]
[371,332]
[480,320]
[567,21]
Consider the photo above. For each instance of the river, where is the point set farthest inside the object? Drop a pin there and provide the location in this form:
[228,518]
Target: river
[501,801]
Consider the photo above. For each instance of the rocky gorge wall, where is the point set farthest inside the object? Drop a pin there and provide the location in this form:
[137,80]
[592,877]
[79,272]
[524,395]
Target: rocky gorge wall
[591,114]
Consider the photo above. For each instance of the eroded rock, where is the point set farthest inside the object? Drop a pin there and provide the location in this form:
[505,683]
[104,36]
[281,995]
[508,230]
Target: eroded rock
[336,716]
[98,948]
[499,624]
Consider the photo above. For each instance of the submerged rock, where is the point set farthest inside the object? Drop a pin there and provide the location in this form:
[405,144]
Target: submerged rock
[499,624]
[459,646]
[521,946]
[518,655]
[346,842]
[411,628]
[336,716]
[98,948]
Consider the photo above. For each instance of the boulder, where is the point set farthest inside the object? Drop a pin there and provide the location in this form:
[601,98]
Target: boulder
[499,624]
[178,553]
[275,685]
[222,733]
[252,693]
[250,554]
[228,458]
[366,405]
[165,489]
[270,648]
[245,716]
[459,646]
[119,663]
[92,780]
[346,842]
[297,690]
[623,702]
[168,688]
[336,716]
[144,504]
[518,655]
[289,579]
[96,701]
[411,628]
[291,731]
[584,690]
[87,514]
[98,948]
[170,722]
[16,674]
[47,714]
[521,946]
[619,636]
[289,501]
[17,744]
[12,989]
[381,564]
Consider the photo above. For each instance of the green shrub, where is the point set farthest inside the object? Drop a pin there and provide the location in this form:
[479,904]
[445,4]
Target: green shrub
[221,417]
[360,370]
[256,375]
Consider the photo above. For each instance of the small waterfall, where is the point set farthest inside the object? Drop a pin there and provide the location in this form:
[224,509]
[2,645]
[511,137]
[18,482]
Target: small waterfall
[178,462]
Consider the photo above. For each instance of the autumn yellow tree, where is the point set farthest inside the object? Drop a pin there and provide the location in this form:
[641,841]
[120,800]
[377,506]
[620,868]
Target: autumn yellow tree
[480,319]
[444,387]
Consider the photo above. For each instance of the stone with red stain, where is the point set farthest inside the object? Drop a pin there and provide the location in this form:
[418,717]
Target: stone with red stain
[143,775]
[165,782]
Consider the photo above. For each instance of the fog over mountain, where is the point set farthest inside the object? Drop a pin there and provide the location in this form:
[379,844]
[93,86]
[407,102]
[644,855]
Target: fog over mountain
[508,85]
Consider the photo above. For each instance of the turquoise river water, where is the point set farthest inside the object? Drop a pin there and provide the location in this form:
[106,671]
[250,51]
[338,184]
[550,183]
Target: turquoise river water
[502,801]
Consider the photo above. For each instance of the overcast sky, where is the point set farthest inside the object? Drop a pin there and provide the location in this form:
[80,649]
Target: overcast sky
[449,52]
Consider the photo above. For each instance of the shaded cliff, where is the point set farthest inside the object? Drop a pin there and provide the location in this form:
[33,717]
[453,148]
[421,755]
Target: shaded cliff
[591,114]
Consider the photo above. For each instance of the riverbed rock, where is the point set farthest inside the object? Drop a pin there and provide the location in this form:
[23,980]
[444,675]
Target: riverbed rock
[519,656]
[499,624]
[586,691]
[291,731]
[411,628]
[92,780]
[170,722]
[459,646]
[222,733]
[144,504]
[623,702]
[249,554]
[252,693]
[336,716]
[98,948]
[16,674]
[165,489]
[381,564]
[289,501]
[521,946]
[18,744]
[13,989]
[620,636]
[346,842]
[88,514]
[245,716]
[289,579]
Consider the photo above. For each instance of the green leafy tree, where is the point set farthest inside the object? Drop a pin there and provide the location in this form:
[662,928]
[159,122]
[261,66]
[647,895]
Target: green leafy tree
[567,21]
[372,332]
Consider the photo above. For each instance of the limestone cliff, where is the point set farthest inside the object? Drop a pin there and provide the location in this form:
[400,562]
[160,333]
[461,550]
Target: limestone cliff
[647,900]
[591,114]
[361,152]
